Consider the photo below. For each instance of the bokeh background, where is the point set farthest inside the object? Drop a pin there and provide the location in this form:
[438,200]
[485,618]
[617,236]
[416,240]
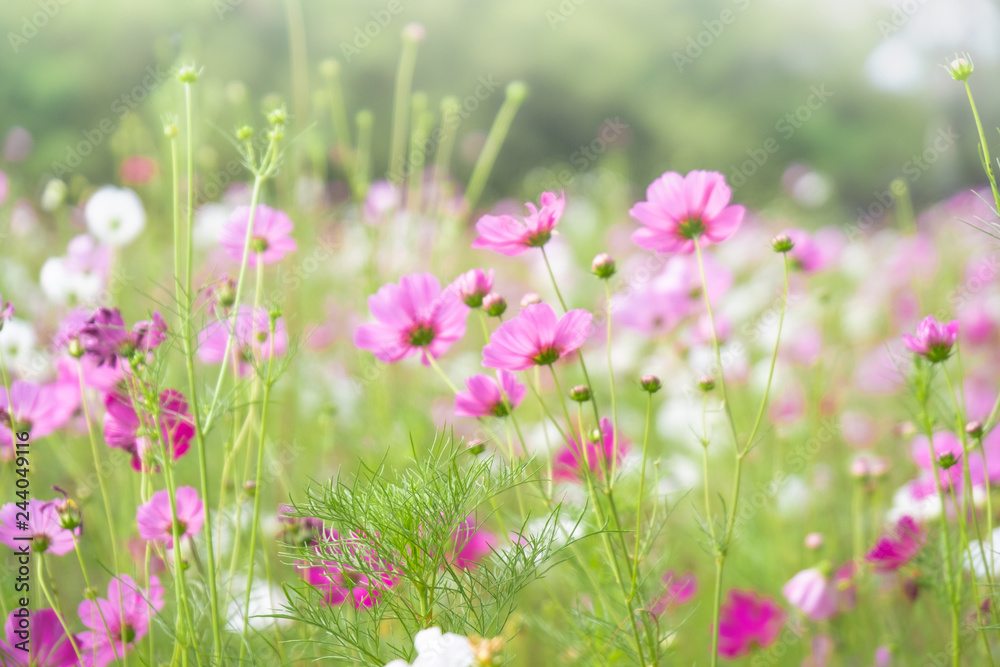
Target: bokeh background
[698,83]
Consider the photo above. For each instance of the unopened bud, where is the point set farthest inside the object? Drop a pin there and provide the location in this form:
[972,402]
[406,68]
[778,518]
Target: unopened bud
[603,266]
[277,116]
[960,68]
[706,383]
[782,243]
[580,393]
[75,348]
[530,299]
[187,74]
[650,383]
[975,429]
[494,304]
[814,540]
[244,133]
[476,447]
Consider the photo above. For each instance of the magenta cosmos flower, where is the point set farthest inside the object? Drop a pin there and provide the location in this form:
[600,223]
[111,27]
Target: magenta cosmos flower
[508,236]
[413,317]
[568,463]
[680,209]
[934,339]
[124,430]
[350,570]
[156,520]
[896,548]
[105,338]
[270,240]
[472,286]
[676,591]
[472,544]
[748,620]
[252,340]
[40,409]
[536,337]
[50,647]
[127,612]
[487,396]
[811,592]
[44,528]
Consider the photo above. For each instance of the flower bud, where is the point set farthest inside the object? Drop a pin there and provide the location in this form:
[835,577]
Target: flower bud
[595,435]
[782,243]
[494,304]
[75,348]
[530,299]
[603,266]
[974,428]
[187,74]
[476,447]
[859,467]
[274,312]
[706,383]
[329,68]
[814,540]
[70,517]
[250,488]
[277,116]
[650,383]
[244,133]
[947,460]
[580,393]
[960,68]
[275,134]
[170,130]
[90,593]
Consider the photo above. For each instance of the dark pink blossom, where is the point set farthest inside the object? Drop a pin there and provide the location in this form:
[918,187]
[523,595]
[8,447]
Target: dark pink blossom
[473,286]
[123,428]
[813,593]
[50,647]
[568,463]
[748,620]
[677,590]
[896,548]
[507,235]
[472,544]
[934,339]
[350,570]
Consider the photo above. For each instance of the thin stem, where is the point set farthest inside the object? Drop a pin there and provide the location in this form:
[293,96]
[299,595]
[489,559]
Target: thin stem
[614,402]
[513,97]
[642,485]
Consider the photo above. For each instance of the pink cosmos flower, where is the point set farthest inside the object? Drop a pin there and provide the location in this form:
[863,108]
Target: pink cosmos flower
[807,253]
[473,285]
[568,463]
[124,430]
[934,339]
[7,310]
[536,337]
[270,240]
[897,547]
[350,570]
[677,591]
[508,236]
[811,592]
[487,396]
[40,409]
[137,170]
[679,209]
[156,520]
[472,544]
[127,612]
[50,647]
[381,201]
[413,317]
[748,620]
[45,531]
[252,341]
[821,650]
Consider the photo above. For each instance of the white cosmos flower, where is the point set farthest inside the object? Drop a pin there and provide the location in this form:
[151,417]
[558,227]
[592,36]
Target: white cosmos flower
[265,603]
[435,649]
[17,343]
[61,284]
[115,215]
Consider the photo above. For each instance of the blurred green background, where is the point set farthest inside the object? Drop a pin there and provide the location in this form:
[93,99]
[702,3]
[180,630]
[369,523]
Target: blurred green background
[699,83]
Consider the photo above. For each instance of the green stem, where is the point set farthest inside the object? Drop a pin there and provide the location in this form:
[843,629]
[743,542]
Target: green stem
[401,108]
[513,98]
